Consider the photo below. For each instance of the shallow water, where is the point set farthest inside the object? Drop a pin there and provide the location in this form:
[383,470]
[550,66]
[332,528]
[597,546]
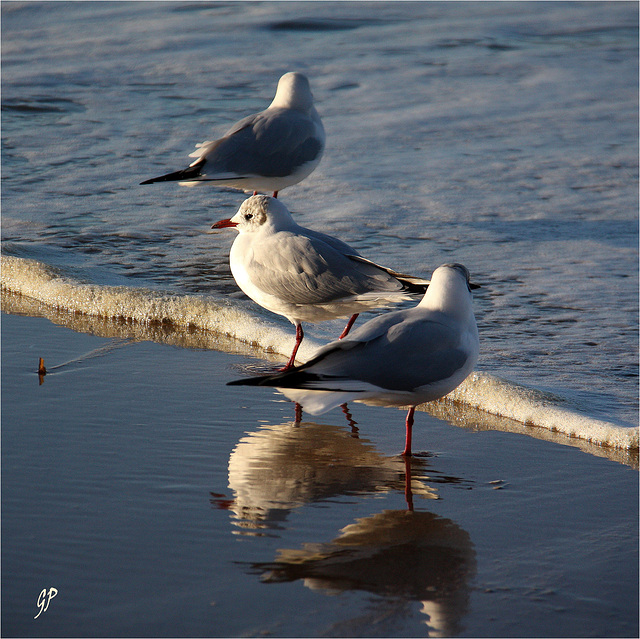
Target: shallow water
[159,502]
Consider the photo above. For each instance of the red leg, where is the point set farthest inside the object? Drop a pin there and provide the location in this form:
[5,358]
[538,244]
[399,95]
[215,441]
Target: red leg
[292,359]
[275,194]
[350,420]
[408,493]
[409,423]
[255,192]
[298,413]
[347,328]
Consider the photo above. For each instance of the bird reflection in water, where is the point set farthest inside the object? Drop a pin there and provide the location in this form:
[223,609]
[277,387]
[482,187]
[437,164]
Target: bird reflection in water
[403,556]
[282,467]
[400,555]
[345,410]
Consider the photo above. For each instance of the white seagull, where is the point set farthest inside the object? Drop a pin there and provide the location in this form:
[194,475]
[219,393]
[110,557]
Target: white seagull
[267,151]
[305,275]
[402,358]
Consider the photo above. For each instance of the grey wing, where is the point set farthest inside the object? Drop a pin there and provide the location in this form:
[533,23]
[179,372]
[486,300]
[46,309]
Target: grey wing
[334,243]
[412,283]
[273,143]
[399,353]
[306,270]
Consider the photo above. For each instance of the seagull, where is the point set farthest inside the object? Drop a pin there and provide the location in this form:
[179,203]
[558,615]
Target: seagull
[267,151]
[305,275]
[401,358]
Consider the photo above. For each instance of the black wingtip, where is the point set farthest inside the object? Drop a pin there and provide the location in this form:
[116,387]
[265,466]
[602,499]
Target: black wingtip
[277,379]
[414,288]
[293,378]
[176,176]
[190,173]
[248,381]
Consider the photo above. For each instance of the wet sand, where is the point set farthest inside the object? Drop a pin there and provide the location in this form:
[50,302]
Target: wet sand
[157,501]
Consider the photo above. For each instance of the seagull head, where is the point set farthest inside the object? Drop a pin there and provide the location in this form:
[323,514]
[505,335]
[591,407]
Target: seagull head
[293,92]
[258,214]
[450,290]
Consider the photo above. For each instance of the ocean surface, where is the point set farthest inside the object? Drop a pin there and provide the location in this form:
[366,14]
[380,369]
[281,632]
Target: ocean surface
[502,135]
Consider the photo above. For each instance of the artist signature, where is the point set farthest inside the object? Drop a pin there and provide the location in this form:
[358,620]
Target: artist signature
[44,599]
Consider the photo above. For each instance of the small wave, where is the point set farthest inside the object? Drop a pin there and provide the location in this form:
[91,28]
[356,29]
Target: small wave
[233,319]
[58,289]
[42,104]
[323,24]
[532,407]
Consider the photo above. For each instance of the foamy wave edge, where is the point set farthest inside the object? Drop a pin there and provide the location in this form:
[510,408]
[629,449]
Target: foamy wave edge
[485,392]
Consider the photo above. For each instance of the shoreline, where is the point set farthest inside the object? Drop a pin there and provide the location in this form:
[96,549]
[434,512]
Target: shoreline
[464,406]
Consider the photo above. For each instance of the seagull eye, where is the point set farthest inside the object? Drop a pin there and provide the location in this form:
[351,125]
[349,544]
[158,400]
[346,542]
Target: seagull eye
[248,216]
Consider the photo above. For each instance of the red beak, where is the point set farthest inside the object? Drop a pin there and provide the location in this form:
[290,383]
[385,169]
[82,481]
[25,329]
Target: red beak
[224,224]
